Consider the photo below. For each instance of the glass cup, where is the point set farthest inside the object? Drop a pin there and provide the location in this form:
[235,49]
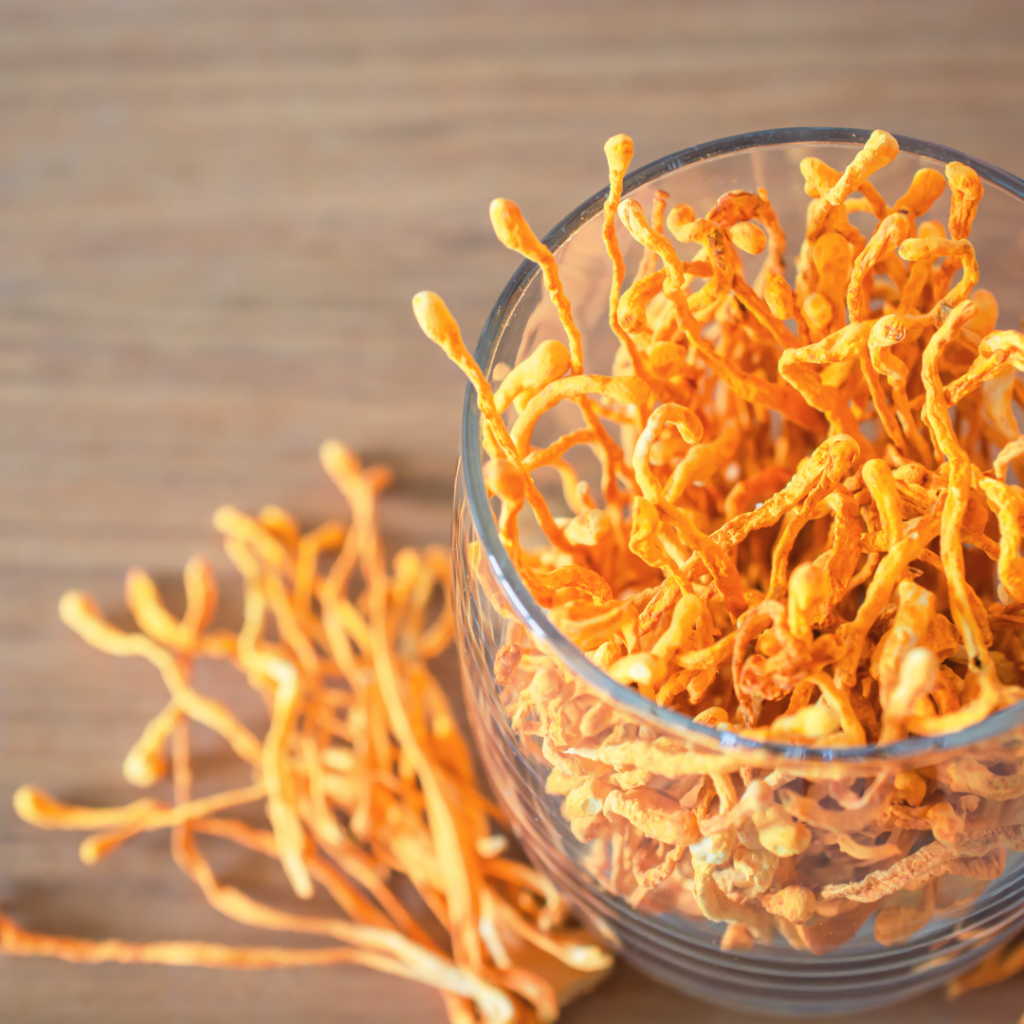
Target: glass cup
[867,949]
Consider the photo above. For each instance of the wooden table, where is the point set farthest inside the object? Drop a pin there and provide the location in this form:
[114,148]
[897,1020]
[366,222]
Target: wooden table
[212,218]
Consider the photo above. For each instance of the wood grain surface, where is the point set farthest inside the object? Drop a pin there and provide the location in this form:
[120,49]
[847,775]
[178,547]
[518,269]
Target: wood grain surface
[212,218]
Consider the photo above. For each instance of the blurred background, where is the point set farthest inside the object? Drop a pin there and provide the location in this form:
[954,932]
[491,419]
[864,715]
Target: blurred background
[212,220]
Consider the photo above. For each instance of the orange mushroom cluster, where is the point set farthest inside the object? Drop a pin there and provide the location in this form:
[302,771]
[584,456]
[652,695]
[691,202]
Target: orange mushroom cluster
[362,772]
[804,535]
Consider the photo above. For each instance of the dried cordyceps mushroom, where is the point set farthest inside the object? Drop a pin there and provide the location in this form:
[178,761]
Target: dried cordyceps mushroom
[805,584]
[363,771]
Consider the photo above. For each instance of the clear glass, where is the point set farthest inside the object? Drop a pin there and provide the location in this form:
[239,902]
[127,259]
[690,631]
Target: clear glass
[834,962]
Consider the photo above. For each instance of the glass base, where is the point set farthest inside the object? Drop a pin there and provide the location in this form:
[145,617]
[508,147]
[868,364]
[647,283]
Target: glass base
[767,981]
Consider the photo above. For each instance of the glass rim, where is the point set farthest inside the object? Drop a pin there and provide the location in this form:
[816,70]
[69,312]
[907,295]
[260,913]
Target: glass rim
[515,591]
